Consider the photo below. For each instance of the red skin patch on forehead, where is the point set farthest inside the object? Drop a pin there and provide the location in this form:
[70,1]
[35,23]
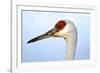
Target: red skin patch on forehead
[60,25]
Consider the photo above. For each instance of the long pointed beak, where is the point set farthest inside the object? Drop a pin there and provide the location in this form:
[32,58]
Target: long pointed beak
[43,36]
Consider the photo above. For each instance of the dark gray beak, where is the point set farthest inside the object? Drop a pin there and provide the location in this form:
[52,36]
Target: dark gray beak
[48,34]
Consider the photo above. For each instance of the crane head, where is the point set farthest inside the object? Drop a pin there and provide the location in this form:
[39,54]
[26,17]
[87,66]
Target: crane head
[61,29]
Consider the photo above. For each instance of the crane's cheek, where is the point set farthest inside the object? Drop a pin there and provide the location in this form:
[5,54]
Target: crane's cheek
[60,34]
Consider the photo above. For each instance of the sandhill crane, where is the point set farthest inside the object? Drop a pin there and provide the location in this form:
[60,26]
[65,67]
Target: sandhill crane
[65,29]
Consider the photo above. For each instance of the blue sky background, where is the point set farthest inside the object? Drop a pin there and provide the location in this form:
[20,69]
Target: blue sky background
[52,49]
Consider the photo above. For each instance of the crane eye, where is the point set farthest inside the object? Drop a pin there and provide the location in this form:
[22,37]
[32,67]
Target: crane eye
[60,25]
